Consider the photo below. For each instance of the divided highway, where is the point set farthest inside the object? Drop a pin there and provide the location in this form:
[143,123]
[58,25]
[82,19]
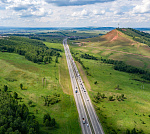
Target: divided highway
[88,119]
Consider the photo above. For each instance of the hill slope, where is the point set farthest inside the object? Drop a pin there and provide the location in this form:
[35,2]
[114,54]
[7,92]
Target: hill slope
[118,46]
[107,85]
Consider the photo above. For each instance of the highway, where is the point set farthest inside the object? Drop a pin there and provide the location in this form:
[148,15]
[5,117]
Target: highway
[83,102]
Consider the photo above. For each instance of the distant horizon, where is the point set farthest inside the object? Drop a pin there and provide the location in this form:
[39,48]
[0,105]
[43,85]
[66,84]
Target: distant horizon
[69,27]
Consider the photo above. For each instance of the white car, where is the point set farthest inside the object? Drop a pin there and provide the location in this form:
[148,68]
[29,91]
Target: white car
[83,120]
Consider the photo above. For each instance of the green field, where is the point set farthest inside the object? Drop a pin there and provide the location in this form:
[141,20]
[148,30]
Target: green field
[133,112]
[41,80]
[15,69]
[118,46]
[116,116]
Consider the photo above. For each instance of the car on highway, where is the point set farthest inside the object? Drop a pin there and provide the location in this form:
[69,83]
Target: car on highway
[83,120]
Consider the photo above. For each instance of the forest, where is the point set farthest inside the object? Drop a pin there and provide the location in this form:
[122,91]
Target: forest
[15,118]
[33,50]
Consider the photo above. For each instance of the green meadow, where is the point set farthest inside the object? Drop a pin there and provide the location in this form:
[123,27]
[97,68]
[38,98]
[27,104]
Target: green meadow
[117,46]
[116,116]
[47,80]
[39,81]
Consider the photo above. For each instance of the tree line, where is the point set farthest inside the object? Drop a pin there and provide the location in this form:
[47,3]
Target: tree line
[121,66]
[136,35]
[33,50]
[117,65]
[88,56]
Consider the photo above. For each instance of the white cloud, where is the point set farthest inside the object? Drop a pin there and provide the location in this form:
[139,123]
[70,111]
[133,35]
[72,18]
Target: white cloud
[82,13]
[99,12]
[142,8]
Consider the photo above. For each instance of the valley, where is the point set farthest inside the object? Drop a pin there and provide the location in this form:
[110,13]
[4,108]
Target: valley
[120,99]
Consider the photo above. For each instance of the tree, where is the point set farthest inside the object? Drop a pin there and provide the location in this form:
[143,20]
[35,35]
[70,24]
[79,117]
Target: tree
[111,98]
[16,132]
[56,60]
[103,96]
[31,131]
[2,130]
[95,82]
[9,130]
[29,102]
[47,123]
[45,59]
[21,86]
[15,95]
[46,116]
[133,131]
[53,122]
[122,95]
[127,131]
[5,88]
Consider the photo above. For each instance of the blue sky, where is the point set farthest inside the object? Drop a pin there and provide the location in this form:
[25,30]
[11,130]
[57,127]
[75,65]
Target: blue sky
[75,13]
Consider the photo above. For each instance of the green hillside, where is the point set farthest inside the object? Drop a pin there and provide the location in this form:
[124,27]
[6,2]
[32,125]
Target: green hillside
[117,46]
[40,85]
[137,35]
[121,98]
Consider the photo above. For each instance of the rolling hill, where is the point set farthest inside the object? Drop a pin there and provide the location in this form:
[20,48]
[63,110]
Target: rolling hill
[96,59]
[118,46]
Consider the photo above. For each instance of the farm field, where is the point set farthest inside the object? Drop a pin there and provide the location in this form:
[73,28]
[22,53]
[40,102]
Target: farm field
[39,81]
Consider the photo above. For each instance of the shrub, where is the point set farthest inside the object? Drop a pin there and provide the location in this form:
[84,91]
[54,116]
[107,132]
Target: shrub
[95,82]
[111,98]
[5,88]
[21,86]
[29,102]
[15,95]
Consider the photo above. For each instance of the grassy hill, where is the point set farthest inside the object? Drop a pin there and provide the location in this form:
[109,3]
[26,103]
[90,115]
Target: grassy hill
[121,99]
[118,46]
[137,35]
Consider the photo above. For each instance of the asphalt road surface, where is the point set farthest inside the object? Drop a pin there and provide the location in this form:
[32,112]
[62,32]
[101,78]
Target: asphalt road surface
[84,106]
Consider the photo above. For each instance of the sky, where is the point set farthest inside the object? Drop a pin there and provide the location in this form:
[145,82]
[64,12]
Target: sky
[75,13]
